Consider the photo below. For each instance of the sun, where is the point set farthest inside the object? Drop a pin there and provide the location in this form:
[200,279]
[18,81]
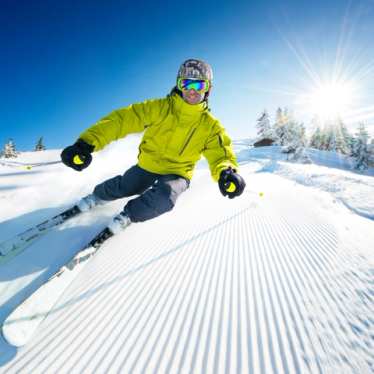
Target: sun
[329,100]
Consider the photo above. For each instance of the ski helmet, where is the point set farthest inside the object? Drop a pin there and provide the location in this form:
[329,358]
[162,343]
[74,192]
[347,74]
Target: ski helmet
[195,69]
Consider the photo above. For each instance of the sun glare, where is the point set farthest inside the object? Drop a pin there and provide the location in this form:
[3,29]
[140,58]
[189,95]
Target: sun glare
[329,100]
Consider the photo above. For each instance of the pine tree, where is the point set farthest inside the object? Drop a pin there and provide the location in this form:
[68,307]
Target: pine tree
[264,126]
[279,116]
[336,135]
[323,139]
[279,129]
[361,151]
[295,142]
[330,137]
[341,145]
[303,136]
[293,136]
[9,150]
[39,145]
[316,139]
[348,138]
[290,134]
[371,153]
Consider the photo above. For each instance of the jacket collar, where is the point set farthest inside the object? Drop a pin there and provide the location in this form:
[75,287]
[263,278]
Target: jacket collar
[181,108]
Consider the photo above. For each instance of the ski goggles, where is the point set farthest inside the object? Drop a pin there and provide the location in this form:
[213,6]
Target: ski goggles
[199,85]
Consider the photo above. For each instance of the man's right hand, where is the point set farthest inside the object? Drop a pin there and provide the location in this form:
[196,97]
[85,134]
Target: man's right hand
[77,156]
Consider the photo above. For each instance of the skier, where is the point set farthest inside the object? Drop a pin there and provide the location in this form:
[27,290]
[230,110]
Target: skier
[178,129]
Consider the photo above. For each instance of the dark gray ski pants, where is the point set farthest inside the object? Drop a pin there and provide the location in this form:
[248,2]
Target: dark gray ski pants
[158,193]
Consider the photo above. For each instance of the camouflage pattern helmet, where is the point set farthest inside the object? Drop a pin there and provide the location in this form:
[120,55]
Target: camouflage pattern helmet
[195,69]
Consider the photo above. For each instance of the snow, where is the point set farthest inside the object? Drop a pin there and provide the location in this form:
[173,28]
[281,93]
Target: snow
[279,280]
[329,171]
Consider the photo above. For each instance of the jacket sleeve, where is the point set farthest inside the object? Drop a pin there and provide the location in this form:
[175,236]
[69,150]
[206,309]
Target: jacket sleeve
[218,151]
[119,123]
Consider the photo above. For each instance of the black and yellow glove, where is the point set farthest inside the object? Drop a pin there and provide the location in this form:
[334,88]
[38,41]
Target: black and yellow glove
[77,156]
[230,183]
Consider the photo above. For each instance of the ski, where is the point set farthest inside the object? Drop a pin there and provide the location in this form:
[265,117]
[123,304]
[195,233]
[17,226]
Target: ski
[23,322]
[14,246]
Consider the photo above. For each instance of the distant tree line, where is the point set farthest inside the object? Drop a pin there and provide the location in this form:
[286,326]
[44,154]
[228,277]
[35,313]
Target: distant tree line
[9,150]
[332,135]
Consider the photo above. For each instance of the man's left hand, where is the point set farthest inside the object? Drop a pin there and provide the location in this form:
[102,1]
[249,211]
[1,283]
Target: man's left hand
[230,183]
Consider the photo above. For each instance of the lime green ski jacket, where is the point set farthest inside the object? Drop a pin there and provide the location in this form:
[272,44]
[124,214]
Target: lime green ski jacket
[176,134]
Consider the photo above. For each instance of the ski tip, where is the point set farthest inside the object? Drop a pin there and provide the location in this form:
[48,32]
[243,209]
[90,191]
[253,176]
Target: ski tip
[14,337]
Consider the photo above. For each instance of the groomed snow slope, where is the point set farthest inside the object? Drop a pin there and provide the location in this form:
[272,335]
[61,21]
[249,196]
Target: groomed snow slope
[277,282]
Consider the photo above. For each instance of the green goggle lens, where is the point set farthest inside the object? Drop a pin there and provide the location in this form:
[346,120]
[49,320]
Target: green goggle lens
[193,84]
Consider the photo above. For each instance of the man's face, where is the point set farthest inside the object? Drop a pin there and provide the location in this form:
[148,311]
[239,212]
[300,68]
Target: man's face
[192,96]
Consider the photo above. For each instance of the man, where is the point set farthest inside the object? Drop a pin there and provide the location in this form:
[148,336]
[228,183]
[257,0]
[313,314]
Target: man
[178,129]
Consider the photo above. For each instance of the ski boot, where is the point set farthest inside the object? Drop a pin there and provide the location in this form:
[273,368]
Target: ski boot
[119,223]
[88,202]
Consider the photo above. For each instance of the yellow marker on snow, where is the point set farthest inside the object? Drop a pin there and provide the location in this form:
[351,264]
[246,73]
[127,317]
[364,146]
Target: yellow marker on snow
[77,160]
[261,194]
[28,167]
[231,187]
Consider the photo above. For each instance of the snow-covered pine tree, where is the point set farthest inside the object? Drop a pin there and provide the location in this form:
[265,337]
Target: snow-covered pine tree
[323,139]
[302,134]
[295,142]
[39,145]
[290,137]
[335,136]
[296,134]
[279,129]
[9,150]
[361,151]
[330,139]
[371,153]
[347,137]
[316,139]
[341,145]
[264,129]
[279,116]
[315,124]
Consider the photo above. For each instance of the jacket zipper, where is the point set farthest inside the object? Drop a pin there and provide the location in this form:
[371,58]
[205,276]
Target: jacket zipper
[221,144]
[186,143]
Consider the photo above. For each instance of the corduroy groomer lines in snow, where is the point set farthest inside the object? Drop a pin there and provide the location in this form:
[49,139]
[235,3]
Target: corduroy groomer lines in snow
[273,284]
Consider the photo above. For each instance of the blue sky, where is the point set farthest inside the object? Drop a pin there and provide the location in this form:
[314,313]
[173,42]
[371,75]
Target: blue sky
[66,64]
